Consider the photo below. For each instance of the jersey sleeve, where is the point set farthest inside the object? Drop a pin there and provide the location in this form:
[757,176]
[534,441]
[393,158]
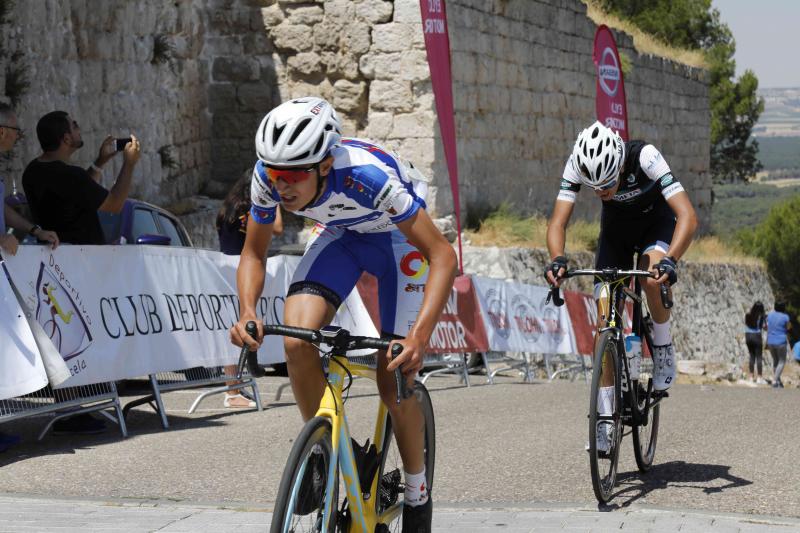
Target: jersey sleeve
[390,193]
[570,183]
[657,169]
[263,195]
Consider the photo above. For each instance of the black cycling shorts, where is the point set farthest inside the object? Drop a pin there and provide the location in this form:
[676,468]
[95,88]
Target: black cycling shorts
[621,237]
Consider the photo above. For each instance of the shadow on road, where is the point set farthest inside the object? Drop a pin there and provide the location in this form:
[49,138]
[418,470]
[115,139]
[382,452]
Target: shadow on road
[708,478]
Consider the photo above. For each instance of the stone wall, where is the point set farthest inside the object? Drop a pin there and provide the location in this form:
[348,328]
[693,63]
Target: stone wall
[118,68]
[710,299]
[192,78]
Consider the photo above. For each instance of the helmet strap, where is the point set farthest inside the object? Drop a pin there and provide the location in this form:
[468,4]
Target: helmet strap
[320,180]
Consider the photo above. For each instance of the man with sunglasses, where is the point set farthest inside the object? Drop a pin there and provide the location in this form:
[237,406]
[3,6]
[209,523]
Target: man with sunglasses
[370,213]
[644,208]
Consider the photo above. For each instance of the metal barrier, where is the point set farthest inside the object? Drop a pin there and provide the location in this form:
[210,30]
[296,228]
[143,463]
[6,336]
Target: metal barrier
[64,403]
[446,363]
[191,378]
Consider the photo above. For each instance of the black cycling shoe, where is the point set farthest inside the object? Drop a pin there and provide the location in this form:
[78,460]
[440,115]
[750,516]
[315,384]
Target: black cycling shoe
[312,487]
[418,519]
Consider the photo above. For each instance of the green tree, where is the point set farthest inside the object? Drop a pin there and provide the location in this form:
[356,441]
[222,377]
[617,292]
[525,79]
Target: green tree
[735,106]
[777,241]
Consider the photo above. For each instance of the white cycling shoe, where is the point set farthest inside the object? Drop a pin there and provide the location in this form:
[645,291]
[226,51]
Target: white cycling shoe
[603,438]
[664,371]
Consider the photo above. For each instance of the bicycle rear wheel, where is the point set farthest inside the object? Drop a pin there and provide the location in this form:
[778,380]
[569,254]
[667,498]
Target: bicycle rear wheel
[301,502]
[645,436]
[603,463]
[392,485]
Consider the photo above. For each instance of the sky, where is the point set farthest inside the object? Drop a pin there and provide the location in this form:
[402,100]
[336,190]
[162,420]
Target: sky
[767,34]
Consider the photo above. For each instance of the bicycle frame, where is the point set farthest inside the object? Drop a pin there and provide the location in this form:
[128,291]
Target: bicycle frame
[363,512]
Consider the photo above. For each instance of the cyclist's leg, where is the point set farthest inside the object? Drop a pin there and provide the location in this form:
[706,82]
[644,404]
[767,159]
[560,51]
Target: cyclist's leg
[323,279]
[401,278]
[655,244]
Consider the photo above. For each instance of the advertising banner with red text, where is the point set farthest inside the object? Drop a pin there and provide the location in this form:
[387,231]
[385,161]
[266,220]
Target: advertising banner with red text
[460,328]
[583,315]
[610,104]
[437,45]
[517,319]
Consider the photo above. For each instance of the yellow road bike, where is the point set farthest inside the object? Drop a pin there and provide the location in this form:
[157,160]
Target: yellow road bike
[372,474]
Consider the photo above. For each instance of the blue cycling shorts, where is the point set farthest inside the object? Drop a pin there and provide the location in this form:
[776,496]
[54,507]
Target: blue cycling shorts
[335,258]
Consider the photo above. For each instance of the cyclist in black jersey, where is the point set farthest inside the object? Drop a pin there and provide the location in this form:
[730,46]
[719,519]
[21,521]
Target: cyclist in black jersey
[644,207]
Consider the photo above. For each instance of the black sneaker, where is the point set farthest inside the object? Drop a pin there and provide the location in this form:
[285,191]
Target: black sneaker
[418,519]
[83,424]
[312,487]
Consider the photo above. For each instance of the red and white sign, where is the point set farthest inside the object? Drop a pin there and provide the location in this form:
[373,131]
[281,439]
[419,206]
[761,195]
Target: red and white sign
[437,46]
[517,319]
[610,104]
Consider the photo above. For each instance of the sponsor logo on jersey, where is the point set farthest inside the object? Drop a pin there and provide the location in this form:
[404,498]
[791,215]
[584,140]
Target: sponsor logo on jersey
[608,72]
[655,159]
[628,195]
[666,180]
[631,178]
[415,287]
[348,182]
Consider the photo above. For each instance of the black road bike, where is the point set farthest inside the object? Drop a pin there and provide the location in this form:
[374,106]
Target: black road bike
[635,403]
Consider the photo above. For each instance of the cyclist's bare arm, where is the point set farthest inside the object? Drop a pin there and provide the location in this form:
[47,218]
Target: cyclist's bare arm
[685,227]
[250,280]
[557,233]
[421,233]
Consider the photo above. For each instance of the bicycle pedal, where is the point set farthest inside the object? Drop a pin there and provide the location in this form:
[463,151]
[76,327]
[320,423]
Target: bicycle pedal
[659,394]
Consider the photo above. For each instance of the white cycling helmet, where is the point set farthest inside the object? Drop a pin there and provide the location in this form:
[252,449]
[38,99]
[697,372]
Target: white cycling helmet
[298,132]
[598,155]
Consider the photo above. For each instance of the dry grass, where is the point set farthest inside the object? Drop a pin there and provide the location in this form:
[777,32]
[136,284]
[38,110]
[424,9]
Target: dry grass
[643,42]
[506,229]
[713,250]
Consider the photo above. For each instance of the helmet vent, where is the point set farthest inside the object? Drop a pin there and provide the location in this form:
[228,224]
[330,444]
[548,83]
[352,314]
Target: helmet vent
[595,133]
[301,156]
[318,146]
[276,133]
[299,129]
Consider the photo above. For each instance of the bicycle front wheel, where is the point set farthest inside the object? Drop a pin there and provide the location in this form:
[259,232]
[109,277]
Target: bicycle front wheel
[391,484]
[645,436]
[605,421]
[307,498]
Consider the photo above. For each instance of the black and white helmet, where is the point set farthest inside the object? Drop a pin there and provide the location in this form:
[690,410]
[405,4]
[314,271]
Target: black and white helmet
[598,155]
[298,132]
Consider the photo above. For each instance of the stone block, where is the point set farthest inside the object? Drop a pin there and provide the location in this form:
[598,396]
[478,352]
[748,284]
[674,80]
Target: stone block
[344,10]
[254,97]
[375,11]
[391,37]
[379,125]
[355,38]
[409,125]
[289,36]
[304,63]
[349,96]
[235,69]
[407,11]
[305,15]
[272,16]
[227,45]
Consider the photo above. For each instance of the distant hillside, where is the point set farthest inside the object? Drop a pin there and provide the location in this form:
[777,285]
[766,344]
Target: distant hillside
[780,157]
[781,116]
[745,206]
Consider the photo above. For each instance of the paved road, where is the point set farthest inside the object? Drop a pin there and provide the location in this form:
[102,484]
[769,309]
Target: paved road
[721,449]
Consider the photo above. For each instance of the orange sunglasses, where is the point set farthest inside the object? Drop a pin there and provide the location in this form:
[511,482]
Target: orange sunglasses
[289,175]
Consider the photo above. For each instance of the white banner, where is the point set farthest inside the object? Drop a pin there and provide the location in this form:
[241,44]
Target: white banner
[117,312]
[21,368]
[518,320]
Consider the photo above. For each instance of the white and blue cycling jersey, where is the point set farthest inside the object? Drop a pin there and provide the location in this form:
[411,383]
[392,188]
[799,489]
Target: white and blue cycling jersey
[367,193]
[368,190]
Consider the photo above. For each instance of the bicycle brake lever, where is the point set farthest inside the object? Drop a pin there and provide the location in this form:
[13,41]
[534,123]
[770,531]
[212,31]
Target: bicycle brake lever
[403,392]
[666,301]
[249,358]
[554,295]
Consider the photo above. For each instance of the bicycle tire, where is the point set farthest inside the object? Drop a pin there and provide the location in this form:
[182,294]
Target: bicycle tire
[645,437]
[604,479]
[389,488]
[316,431]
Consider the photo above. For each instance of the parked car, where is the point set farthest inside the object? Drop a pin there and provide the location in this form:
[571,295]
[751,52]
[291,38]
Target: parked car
[143,223]
[138,223]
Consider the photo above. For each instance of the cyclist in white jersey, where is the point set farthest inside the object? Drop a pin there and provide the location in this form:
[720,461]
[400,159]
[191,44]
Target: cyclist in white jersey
[370,214]
[644,208]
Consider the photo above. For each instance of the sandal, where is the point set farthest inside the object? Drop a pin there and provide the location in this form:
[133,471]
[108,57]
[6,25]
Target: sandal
[238,401]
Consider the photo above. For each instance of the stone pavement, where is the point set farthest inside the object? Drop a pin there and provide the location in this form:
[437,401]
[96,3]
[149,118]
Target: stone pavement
[41,514]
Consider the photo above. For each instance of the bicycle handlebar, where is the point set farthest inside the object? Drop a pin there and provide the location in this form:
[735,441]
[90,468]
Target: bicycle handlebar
[342,340]
[608,274]
[249,358]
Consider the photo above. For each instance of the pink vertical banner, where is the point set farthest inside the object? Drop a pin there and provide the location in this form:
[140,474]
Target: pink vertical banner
[437,45]
[610,103]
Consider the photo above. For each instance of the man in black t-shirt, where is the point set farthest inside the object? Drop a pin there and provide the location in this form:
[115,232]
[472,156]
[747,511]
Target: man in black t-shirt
[65,198]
